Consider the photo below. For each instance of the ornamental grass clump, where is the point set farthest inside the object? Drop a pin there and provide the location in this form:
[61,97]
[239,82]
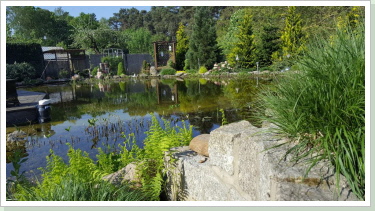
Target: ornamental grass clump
[322,106]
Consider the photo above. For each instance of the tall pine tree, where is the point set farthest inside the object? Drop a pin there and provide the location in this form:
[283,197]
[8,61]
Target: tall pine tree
[293,37]
[269,43]
[244,48]
[203,49]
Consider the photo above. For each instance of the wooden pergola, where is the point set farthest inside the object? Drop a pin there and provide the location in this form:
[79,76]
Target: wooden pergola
[163,52]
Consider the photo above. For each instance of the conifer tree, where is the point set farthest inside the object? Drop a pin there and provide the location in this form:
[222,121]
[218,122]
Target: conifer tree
[230,38]
[120,69]
[181,46]
[203,49]
[269,43]
[293,37]
[244,49]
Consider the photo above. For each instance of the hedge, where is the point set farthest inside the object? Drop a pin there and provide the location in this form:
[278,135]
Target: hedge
[26,52]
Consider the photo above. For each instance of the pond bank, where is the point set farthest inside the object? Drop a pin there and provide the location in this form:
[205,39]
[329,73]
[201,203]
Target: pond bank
[238,169]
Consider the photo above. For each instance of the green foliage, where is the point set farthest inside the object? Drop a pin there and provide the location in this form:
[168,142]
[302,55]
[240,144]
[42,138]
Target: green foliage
[191,71]
[127,156]
[293,38]
[120,69]
[79,180]
[158,141]
[187,65]
[162,21]
[72,189]
[171,64]
[323,106]
[13,185]
[26,52]
[145,65]
[113,63]
[64,74]
[20,71]
[269,43]
[227,41]
[137,41]
[37,25]
[168,71]
[92,35]
[243,51]
[225,24]
[182,47]
[203,49]
[224,120]
[352,19]
[202,70]
[83,73]
[95,71]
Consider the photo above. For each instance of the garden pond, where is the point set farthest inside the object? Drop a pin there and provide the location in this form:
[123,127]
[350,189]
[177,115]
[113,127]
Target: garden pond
[101,114]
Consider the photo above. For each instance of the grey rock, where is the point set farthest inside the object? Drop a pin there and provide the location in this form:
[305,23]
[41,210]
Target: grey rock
[16,136]
[179,74]
[221,147]
[153,71]
[244,166]
[126,174]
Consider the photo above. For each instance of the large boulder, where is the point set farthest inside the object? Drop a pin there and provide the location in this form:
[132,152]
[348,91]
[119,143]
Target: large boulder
[244,166]
[199,144]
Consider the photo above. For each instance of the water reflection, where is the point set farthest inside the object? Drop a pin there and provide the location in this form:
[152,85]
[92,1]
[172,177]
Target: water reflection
[126,107]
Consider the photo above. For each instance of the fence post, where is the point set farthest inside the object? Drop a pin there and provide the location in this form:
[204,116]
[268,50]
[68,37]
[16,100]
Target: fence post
[155,56]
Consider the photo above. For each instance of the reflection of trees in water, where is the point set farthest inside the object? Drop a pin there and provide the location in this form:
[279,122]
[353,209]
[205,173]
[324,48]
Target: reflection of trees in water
[195,97]
[243,94]
[143,97]
[204,122]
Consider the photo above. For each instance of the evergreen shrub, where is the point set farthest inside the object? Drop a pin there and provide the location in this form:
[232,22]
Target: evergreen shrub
[26,52]
[94,71]
[120,69]
[202,70]
[20,71]
[168,71]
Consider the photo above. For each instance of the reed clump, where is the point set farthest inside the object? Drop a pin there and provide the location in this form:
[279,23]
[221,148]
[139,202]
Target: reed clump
[321,107]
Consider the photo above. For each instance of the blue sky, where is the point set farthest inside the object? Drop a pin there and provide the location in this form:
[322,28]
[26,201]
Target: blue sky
[100,11]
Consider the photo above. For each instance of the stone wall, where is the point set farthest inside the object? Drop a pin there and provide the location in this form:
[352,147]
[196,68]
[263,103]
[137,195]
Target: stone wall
[239,168]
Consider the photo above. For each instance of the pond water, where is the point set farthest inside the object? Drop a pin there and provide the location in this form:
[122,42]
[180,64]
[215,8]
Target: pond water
[89,116]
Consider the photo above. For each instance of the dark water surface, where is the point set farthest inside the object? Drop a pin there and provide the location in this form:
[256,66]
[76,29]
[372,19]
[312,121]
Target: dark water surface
[89,116]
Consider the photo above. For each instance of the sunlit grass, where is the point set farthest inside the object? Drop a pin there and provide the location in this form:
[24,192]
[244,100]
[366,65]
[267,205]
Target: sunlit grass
[322,106]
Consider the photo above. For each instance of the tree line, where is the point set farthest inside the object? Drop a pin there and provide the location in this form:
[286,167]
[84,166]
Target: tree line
[243,36]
